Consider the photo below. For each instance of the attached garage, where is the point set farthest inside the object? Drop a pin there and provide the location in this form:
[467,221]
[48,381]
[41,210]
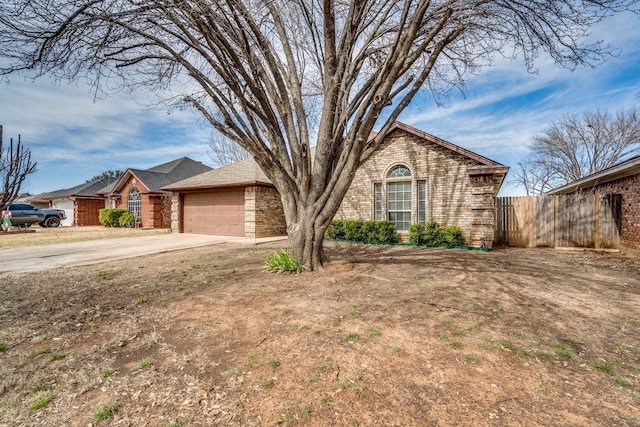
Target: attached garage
[234,200]
[216,212]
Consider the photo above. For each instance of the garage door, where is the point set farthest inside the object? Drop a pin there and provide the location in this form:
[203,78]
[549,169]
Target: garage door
[220,213]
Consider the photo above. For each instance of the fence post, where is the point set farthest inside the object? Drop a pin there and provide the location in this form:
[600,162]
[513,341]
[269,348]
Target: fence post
[596,221]
[556,220]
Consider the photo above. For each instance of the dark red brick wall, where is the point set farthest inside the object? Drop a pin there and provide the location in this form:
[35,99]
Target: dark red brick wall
[629,187]
[87,211]
[155,209]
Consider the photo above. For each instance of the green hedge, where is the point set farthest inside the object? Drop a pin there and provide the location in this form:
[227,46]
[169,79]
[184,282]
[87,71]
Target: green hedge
[127,220]
[432,234]
[111,217]
[369,231]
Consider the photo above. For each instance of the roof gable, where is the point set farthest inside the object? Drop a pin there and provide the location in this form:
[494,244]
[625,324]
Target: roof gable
[481,160]
[162,175]
[242,173]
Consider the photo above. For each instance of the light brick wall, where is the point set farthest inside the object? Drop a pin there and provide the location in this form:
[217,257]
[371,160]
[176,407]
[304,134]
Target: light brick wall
[264,215]
[452,196]
[175,212]
[629,188]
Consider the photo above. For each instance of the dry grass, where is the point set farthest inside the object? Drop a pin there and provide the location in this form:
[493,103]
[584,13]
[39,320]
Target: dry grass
[443,338]
[45,236]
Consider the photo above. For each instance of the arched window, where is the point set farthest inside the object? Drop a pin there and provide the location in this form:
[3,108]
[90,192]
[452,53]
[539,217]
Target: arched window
[399,172]
[399,197]
[133,203]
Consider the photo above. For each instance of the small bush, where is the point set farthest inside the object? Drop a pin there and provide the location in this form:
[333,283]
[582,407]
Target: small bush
[369,231]
[283,262]
[353,231]
[432,234]
[416,233]
[111,217]
[452,236]
[379,232]
[335,230]
[127,220]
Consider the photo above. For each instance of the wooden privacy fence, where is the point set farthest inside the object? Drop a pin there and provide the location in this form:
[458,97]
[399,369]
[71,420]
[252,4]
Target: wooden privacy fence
[568,220]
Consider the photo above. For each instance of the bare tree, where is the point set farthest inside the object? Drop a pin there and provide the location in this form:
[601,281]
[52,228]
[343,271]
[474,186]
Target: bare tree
[224,151]
[578,145]
[260,71]
[111,175]
[533,176]
[15,165]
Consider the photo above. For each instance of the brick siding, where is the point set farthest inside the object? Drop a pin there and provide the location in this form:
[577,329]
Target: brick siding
[629,188]
[155,209]
[452,196]
[264,214]
[87,211]
[176,206]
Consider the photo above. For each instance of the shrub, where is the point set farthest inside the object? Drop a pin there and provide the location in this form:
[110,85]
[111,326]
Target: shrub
[432,234]
[379,232]
[127,220]
[283,262]
[335,230]
[369,231]
[111,217]
[416,233]
[353,230]
[452,236]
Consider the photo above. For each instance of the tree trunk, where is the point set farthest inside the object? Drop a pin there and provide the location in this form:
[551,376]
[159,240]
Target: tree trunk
[307,244]
[307,221]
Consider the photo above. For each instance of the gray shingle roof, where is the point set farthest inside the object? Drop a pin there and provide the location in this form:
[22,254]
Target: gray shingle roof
[241,173]
[88,189]
[167,173]
[621,170]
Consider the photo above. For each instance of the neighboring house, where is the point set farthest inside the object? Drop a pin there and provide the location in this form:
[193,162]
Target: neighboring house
[414,177]
[139,191]
[81,203]
[623,179]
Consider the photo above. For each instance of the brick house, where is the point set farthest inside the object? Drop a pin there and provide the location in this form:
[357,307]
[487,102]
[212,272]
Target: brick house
[81,203]
[139,191]
[623,179]
[414,177]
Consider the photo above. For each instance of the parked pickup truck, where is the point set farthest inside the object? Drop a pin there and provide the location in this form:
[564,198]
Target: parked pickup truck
[23,215]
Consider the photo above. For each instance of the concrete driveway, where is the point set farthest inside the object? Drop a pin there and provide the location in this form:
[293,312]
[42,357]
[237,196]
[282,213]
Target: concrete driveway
[44,257]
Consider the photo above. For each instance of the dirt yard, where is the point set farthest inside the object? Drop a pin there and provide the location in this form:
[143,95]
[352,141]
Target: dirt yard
[383,336]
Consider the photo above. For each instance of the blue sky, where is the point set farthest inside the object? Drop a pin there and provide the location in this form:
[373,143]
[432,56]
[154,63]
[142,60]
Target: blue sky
[74,138]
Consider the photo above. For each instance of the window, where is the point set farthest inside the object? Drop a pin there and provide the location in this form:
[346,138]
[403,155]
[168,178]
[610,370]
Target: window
[377,203]
[399,172]
[422,202]
[133,203]
[399,204]
[398,197]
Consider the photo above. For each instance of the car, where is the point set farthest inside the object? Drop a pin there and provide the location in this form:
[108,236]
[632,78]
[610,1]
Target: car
[24,214]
